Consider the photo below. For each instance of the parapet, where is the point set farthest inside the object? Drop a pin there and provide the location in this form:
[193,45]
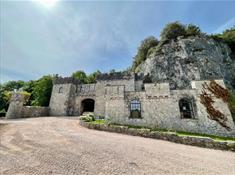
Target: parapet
[116,76]
[66,80]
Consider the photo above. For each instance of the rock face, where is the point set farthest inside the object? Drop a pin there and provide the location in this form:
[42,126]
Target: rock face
[186,59]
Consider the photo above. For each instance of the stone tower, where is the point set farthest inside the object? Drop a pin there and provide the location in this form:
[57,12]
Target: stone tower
[62,97]
[16,106]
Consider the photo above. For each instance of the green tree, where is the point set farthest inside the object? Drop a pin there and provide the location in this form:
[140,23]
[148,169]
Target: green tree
[3,101]
[28,87]
[112,71]
[42,91]
[11,85]
[193,30]
[92,77]
[80,75]
[173,30]
[4,89]
[143,49]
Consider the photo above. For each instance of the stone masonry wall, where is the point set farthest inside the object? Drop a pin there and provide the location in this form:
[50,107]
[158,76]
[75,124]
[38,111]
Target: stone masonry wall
[101,92]
[34,111]
[59,102]
[15,107]
[160,109]
[17,110]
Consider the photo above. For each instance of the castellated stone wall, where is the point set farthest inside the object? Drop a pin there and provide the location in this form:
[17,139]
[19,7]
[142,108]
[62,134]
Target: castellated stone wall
[82,92]
[60,99]
[101,91]
[18,110]
[159,104]
[34,111]
[160,109]
[16,106]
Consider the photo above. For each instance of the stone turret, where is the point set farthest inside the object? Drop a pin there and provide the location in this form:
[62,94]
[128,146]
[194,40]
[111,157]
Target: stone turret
[62,97]
[16,106]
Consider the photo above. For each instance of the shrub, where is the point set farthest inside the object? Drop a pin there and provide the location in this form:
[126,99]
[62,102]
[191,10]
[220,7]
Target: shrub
[86,118]
[80,75]
[172,31]
[228,37]
[42,91]
[193,30]
[143,49]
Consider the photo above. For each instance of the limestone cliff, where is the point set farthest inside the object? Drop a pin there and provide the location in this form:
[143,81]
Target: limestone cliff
[187,59]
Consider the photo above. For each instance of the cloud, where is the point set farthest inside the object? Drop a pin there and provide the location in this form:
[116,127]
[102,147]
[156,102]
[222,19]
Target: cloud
[36,41]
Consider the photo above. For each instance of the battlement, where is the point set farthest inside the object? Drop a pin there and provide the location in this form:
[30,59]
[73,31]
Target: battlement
[86,89]
[66,80]
[115,76]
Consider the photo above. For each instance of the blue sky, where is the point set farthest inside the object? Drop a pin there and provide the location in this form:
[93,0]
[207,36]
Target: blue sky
[36,40]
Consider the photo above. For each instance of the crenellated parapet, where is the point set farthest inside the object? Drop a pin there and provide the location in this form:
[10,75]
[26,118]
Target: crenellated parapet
[115,76]
[66,80]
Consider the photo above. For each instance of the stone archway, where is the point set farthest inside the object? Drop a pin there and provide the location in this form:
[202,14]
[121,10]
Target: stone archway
[87,105]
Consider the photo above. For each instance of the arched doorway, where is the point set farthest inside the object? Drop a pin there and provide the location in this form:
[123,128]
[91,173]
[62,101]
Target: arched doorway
[87,105]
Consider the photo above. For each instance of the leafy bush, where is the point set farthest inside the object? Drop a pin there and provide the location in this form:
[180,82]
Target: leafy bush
[228,37]
[11,85]
[151,45]
[87,118]
[172,31]
[8,86]
[92,77]
[42,91]
[143,49]
[80,75]
[193,30]
[84,78]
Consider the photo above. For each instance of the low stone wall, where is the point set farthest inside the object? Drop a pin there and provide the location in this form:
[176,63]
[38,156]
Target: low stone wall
[188,140]
[34,111]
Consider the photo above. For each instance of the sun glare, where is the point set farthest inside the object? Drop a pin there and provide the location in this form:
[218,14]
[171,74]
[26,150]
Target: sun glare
[48,3]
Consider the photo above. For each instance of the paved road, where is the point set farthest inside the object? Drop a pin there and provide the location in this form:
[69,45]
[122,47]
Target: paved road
[55,145]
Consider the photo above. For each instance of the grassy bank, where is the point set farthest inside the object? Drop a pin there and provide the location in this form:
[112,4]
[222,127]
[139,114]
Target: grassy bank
[179,133]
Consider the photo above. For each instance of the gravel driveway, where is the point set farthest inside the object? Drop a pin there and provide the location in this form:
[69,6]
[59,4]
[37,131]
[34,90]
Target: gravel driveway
[58,145]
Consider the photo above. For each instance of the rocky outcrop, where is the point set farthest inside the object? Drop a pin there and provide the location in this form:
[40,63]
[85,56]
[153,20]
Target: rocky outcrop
[185,59]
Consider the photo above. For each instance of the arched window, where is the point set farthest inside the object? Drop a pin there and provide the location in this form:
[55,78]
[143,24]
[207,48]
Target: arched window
[186,108]
[135,109]
[61,90]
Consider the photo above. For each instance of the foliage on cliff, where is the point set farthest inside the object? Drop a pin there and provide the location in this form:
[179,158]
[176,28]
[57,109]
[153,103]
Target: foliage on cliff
[170,31]
[228,37]
[176,29]
[142,52]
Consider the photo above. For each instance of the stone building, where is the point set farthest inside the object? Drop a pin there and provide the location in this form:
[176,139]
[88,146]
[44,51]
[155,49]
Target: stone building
[130,99]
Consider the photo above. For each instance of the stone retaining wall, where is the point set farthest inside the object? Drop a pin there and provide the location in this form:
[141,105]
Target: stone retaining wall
[188,140]
[34,111]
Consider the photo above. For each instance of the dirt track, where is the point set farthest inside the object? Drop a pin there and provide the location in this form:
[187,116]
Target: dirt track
[58,145]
